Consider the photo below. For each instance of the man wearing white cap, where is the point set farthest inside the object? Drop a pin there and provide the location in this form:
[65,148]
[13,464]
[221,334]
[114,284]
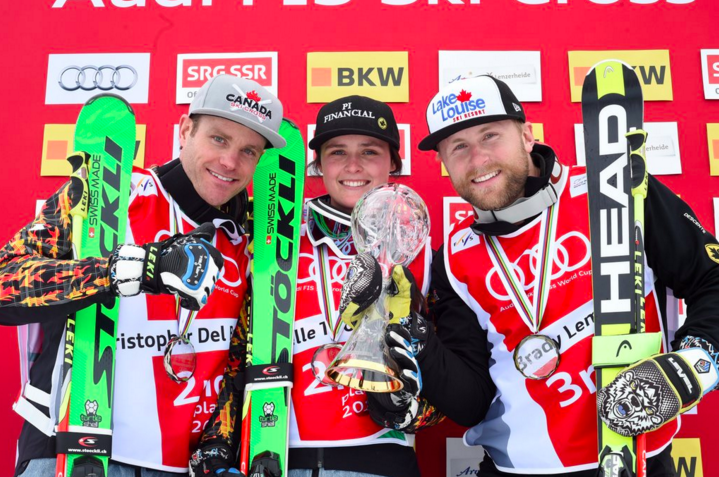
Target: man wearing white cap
[198,201]
[518,372]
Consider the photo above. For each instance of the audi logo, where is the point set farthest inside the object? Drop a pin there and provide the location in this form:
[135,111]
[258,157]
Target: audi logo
[104,78]
[566,259]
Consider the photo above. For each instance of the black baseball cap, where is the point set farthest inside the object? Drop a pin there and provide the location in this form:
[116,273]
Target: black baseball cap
[355,115]
[466,103]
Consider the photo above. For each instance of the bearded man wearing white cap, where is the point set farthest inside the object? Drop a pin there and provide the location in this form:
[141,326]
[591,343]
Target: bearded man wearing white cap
[511,357]
[195,203]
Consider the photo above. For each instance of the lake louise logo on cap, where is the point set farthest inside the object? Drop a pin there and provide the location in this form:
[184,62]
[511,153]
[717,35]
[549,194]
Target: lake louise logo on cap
[458,107]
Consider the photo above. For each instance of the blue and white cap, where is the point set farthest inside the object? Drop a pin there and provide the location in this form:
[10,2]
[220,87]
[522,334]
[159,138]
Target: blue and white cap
[466,103]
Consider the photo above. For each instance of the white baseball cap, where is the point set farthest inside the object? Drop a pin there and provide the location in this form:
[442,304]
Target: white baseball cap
[469,102]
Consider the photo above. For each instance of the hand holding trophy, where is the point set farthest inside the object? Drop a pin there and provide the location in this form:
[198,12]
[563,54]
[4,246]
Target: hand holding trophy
[391,223]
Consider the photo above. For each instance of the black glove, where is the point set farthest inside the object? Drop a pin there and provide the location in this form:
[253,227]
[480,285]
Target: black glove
[213,460]
[405,335]
[404,342]
[186,265]
[652,392]
[360,289]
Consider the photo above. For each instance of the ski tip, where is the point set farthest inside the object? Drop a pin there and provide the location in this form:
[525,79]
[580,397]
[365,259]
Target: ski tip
[290,122]
[111,97]
[606,65]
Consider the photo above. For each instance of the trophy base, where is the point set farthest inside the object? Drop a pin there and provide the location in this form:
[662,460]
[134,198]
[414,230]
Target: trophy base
[364,375]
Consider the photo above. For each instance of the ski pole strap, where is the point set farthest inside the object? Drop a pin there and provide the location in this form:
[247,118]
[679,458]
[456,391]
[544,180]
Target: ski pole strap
[82,440]
[636,141]
[268,376]
[611,351]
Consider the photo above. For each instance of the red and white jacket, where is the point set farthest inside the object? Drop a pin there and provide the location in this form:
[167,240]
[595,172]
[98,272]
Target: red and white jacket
[156,421]
[527,426]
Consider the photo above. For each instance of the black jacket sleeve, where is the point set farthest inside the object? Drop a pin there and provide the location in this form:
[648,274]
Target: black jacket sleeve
[455,360]
[685,258]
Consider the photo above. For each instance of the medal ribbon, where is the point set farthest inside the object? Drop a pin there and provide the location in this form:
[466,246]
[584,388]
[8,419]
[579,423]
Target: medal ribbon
[531,312]
[331,314]
[183,323]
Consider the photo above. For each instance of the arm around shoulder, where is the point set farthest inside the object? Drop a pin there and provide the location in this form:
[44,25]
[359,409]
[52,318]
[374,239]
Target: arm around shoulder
[455,360]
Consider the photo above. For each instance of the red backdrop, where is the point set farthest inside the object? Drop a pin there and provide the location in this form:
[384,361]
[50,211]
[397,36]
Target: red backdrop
[33,30]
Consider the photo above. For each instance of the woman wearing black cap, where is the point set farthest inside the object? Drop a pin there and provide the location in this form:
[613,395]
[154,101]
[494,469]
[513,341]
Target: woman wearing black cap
[332,428]
[356,148]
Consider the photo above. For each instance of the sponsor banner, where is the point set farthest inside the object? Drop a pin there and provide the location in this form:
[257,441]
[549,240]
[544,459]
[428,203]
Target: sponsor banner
[687,456]
[381,75]
[578,185]
[57,144]
[75,78]
[193,70]
[716,216]
[710,73]
[462,459]
[537,130]
[405,151]
[323,4]
[662,148]
[521,70]
[652,67]
[454,210]
[713,140]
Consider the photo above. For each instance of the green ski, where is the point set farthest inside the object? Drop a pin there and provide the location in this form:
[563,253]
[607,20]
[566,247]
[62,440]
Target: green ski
[278,185]
[105,130]
[613,112]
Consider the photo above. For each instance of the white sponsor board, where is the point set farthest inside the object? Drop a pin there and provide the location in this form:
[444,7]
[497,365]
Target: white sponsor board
[521,70]
[194,70]
[462,460]
[75,78]
[405,150]
[710,73]
[716,216]
[662,148]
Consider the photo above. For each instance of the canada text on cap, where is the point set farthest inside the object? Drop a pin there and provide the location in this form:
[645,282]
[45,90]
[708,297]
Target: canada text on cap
[242,101]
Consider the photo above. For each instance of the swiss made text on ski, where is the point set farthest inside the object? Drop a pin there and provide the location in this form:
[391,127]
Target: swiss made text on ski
[105,130]
[277,186]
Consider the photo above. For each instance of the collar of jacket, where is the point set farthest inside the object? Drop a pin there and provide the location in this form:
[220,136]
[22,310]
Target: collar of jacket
[539,193]
[175,181]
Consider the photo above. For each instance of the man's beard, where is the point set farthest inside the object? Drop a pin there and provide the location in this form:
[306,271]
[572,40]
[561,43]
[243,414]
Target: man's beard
[515,178]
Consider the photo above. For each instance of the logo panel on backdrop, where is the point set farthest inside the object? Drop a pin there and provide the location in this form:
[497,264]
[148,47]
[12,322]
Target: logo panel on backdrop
[103,78]
[75,78]
[381,75]
[193,70]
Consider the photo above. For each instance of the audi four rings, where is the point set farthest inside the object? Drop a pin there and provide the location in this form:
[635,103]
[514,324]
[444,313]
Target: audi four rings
[98,79]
